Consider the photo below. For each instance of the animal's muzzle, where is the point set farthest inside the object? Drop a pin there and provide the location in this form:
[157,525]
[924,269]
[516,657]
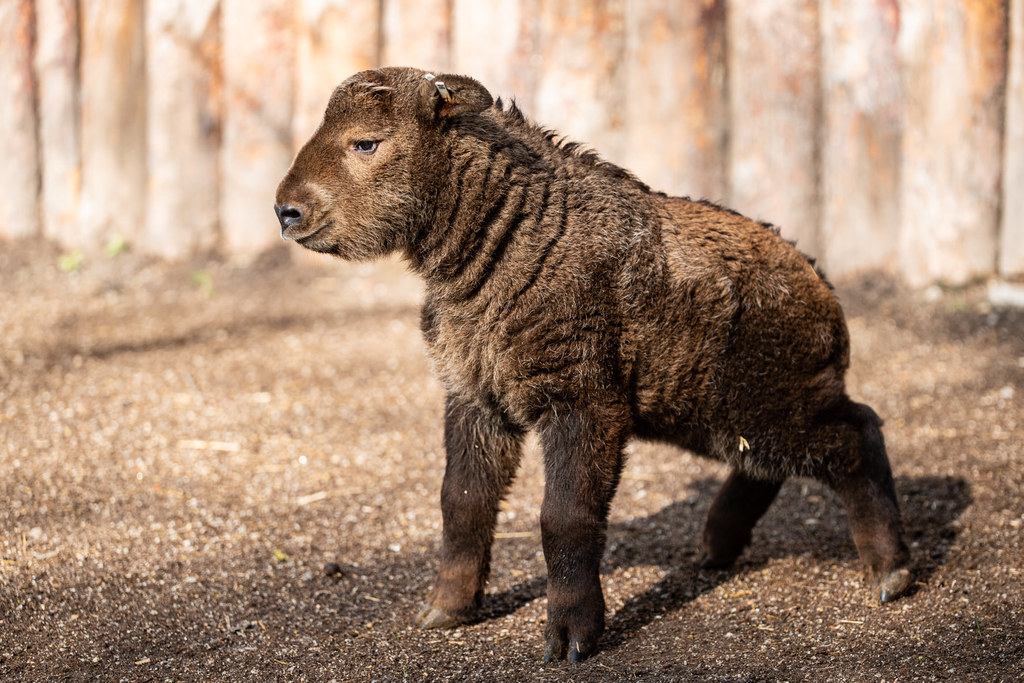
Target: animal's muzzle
[288,215]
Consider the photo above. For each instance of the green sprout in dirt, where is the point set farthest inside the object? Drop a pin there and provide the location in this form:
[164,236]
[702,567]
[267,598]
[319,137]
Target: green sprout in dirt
[71,262]
[203,281]
[115,246]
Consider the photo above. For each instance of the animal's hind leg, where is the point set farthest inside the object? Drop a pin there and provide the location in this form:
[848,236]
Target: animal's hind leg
[741,501]
[869,495]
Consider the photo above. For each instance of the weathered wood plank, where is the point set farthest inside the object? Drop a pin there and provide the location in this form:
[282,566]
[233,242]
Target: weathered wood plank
[953,53]
[334,39]
[19,161]
[56,63]
[775,114]
[581,89]
[861,136]
[495,42]
[258,63]
[113,121]
[1011,246]
[183,132]
[823,138]
[675,95]
[417,33]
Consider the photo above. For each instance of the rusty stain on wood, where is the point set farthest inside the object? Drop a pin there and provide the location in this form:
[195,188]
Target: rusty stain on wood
[20,170]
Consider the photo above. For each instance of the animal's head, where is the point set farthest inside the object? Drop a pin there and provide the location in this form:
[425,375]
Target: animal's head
[367,180]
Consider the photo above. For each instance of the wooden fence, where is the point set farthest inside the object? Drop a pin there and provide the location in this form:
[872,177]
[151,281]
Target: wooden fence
[881,134]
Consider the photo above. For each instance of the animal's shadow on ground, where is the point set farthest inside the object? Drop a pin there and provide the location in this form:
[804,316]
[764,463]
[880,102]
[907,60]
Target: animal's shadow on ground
[807,519]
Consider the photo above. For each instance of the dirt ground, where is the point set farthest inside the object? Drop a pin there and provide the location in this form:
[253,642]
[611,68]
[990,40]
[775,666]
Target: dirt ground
[184,448]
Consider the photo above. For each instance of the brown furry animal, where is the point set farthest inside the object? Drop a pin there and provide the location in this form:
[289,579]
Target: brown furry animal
[564,296]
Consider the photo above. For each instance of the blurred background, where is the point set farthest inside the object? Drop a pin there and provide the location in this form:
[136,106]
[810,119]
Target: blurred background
[880,134]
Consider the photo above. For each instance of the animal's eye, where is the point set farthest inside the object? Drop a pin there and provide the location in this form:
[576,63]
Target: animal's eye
[365,146]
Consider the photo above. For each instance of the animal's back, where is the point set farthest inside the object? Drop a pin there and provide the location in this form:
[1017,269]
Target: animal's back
[748,341]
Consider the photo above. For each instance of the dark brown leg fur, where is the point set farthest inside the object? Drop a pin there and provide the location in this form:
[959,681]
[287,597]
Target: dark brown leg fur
[741,501]
[583,459]
[869,495]
[482,457]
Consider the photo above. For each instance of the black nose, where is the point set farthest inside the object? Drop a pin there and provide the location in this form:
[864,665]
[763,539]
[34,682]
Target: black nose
[288,215]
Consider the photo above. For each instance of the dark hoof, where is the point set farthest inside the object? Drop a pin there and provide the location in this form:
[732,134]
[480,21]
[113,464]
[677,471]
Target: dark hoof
[893,585]
[555,650]
[708,562]
[574,651]
[432,617]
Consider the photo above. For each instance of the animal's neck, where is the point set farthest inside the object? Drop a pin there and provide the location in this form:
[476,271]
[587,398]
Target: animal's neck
[490,196]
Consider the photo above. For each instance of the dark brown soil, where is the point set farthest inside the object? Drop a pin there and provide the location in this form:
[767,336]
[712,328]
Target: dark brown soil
[184,448]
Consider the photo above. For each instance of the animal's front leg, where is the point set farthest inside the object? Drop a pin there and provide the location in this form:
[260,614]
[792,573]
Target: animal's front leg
[583,459]
[482,457]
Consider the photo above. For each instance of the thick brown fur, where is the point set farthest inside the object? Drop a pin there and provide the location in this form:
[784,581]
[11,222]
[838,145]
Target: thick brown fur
[564,296]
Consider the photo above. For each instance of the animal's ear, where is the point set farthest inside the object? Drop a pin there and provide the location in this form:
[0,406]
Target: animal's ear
[447,96]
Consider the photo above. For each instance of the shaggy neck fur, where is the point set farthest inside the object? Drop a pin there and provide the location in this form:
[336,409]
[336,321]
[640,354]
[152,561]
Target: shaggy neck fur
[506,202]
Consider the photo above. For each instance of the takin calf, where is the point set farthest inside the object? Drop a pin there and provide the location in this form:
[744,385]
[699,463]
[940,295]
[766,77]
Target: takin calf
[564,296]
